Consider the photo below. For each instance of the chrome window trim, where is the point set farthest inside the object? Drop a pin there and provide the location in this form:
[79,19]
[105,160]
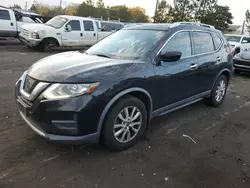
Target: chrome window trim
[36,91]
[191,31]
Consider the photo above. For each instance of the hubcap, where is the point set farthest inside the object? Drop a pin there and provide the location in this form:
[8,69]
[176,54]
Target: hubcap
[127,124]
[220,91]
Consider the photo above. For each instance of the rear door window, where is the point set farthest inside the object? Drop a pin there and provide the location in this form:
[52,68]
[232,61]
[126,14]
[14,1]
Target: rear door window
[4,15]
[88,25]
[246,40]
[203,42]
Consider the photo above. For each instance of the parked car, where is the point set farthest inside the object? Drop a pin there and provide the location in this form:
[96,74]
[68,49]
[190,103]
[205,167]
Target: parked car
[110,92]
[242,62]
[11,21]
[62,31]
[238,43]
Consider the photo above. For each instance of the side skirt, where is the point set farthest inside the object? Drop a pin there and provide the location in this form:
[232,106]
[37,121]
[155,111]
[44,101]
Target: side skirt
[180,104]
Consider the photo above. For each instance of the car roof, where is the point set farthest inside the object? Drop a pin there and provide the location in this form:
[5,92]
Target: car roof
[169,26]
[76,17]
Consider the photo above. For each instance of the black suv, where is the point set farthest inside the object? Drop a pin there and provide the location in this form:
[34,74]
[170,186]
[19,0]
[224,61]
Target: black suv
[110,92]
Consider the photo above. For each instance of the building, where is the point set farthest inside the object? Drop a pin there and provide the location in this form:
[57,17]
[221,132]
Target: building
[236,29]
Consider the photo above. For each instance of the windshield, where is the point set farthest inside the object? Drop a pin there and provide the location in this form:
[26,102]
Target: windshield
[231,38]
[127,44]
[57,22]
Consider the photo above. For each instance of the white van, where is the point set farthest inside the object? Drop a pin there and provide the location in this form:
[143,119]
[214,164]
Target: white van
[63,30]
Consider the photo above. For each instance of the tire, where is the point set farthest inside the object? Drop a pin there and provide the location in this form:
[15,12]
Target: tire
[236,71]
[47,45]
[108,137]
[214,99]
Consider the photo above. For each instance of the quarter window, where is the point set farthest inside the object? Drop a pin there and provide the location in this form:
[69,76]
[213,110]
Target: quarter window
[179,42]
[88,26]
[75,25]
[217,41]
[203,43]
[4,15]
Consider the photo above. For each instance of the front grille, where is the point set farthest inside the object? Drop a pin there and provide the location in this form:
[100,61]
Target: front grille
[29,84]
[25,32]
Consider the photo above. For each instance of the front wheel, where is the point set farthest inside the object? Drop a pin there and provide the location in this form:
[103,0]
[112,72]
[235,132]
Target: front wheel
[125,124]
[218,92]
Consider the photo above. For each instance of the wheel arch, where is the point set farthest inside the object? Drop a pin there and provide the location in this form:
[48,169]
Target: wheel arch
[140,93]
[53,39]
[225,72]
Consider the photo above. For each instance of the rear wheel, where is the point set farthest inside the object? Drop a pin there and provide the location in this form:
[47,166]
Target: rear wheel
[125,124]
[219,91]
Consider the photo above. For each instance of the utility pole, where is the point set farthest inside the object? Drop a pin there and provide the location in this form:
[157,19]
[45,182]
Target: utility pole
[61,6]
[26,5]
[243,27]
[156,8]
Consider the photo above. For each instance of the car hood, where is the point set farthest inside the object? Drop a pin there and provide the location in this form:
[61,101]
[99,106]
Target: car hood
[245,55]
[62,66]
[36,27]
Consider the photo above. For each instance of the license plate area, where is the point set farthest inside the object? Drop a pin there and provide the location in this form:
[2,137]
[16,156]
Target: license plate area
[22,109]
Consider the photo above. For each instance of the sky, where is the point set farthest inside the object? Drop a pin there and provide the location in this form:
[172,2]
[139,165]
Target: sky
[238,7]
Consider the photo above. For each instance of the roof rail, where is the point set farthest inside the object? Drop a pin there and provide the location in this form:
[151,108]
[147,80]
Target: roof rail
[101,19]
[191,23]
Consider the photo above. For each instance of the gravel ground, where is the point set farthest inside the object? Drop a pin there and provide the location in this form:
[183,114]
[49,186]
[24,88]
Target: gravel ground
[163,158]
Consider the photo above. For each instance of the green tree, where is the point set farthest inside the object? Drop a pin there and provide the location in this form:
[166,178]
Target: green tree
[100,4]
[202,8]
[90,3]
[161,12]
[33,8]
[181,11]
[138,15]
[119,12]
[248,20]
[85,10]
[220,17]
[15,6]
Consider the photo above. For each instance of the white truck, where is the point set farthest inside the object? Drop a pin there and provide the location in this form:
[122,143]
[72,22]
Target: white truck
[238,43]
[64,31]
[11,21]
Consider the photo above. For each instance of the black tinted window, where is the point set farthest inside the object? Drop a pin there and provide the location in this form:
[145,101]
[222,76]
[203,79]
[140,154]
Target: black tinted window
[246,40]
[180,42]
[88,25]
[4,15]
[203,43]
[217,41]
[75,25]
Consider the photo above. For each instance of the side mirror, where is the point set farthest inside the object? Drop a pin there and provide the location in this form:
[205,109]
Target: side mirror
[169,56]
[68,28]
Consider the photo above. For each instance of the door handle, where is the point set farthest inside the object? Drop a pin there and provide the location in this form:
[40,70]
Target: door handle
[218,59]
[94,34]
[193,67]
[11,24]
[81,34]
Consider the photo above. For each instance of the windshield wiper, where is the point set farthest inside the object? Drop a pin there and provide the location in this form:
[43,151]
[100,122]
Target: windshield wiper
[102,55]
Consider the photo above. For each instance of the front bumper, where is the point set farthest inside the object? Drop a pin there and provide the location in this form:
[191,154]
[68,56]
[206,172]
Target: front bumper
[29,41]
[243,65]
[64,121]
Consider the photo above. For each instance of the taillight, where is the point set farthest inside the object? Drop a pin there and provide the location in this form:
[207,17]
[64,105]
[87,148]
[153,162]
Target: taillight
[231,51]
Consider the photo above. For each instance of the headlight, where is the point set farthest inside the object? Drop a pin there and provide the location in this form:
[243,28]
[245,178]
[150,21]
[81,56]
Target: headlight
[64,91]
[35,35]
